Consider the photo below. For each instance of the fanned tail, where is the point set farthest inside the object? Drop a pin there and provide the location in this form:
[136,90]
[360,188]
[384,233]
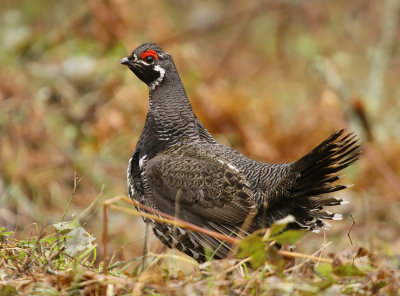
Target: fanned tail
[317,171]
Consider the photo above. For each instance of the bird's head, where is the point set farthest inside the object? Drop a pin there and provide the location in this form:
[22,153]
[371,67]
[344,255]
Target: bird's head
[149,63]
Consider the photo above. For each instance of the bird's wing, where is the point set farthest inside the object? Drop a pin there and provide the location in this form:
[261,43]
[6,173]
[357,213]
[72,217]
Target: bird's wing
[199,190]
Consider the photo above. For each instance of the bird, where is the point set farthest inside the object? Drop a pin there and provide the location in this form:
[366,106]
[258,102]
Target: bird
[179,169]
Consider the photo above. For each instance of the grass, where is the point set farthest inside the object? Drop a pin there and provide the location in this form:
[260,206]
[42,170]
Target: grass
[62,260]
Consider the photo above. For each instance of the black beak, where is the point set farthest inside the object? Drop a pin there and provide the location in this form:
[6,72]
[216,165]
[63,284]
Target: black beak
[125,61]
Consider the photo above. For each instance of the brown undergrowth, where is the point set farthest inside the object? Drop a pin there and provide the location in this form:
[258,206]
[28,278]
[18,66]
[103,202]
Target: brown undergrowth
[64,263]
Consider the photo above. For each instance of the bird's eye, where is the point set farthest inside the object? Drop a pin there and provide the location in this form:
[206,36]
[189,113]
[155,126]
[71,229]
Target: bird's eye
[149,56]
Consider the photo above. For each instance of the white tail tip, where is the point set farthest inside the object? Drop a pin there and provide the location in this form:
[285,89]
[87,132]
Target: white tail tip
[337,217]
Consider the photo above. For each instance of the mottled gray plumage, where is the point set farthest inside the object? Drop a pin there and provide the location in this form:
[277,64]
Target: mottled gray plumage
[178,168]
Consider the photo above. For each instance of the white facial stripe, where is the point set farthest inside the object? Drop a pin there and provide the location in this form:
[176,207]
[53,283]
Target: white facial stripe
[143,62]
[141,161]
[159,79]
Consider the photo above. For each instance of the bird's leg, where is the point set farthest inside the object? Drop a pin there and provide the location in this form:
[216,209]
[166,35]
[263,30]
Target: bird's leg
[145,246]
[177,208]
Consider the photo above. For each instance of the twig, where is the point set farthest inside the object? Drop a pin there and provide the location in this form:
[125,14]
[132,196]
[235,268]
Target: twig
[170,220]
[183,224]
[236,265]
[320,250]
[351,227]
[305,256]
[324,245]
[76,183]
[175,221]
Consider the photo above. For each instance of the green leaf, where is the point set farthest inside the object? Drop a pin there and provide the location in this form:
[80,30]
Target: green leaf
[254,247]
[282,236]
[5,233]
[7,290]
[324,268]
[347,270]
[380,284]
[67,226]
[325,272]
[287,237]
[259,252]
[324,284]
[278,226]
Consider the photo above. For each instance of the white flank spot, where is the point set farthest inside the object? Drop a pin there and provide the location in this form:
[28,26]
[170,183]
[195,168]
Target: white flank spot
[130,185]
[316,230]
[159,79]
[344,202]
[129,168]
[141,161]
[132,190]
[233,167]
[337,217]
[159,232]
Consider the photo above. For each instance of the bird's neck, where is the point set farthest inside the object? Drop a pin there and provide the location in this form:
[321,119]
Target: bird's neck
[170,112]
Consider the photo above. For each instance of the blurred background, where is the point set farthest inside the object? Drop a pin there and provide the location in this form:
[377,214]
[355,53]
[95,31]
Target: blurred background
[270,78]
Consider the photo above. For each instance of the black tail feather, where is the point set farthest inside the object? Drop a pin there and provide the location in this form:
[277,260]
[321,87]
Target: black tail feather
[317,171]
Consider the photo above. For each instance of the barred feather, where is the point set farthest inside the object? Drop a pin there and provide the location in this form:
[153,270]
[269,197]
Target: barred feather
[179,168]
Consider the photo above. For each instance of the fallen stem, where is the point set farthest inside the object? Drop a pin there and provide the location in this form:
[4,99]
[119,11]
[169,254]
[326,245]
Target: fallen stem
[168,219]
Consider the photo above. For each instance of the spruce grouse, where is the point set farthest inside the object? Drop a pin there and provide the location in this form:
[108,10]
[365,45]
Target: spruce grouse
[178,168]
